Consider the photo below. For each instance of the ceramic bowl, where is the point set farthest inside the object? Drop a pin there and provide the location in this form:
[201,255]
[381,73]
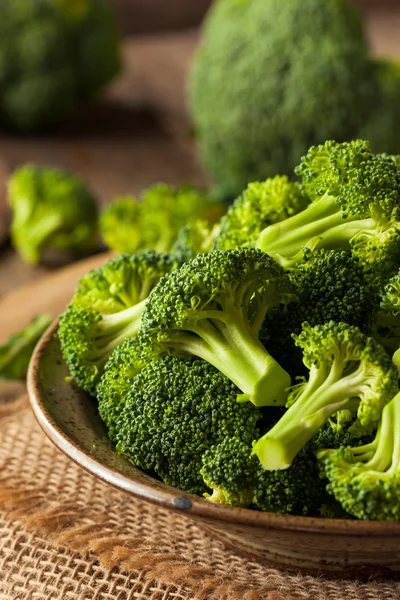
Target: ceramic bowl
[69,418]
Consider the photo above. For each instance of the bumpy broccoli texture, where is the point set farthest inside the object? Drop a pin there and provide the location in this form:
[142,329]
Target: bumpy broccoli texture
[52,210]
[272,78]
[16,352]
[131,224]
[53,54]
[106,310]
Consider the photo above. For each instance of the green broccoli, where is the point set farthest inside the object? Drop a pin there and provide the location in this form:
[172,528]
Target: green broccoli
[51,210]
[348,371]
[16,352]
[272,78]
[388,321]
[175,411]
[355,205]
[193,239]
[260,205]
[53,54]
[213,307]
[330,285]
[106,310]
[154,221]
[365,479]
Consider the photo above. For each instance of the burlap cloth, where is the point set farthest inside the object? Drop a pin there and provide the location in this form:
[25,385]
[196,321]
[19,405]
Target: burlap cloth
[66,535]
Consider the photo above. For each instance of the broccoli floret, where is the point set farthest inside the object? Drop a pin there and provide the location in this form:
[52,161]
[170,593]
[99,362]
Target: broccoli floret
[193,239]
[53,54]
[365,479]
[106,310]
[388,321]
[348,371]
[260,205]
[330,285]
[131,224]
[16,352]
[272,78]
[176,410]
[51,210]
[355,205]
[213,307]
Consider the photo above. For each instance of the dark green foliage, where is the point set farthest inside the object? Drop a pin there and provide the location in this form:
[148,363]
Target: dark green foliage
[272,78]
[53,53]
[175,411]
[51,210]
[16,352]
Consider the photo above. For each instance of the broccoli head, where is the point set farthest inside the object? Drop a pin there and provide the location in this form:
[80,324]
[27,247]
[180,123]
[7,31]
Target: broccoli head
[175,411]
[355,205]
[193,239]
[388,321]
[131,224]
[365,479]
[272,78]
[347,371]
[53,54]
[16,352]
[213,307]
[106,310]
[260,205]
[51,210]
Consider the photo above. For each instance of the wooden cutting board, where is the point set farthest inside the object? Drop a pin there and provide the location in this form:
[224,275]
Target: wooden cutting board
[48,296]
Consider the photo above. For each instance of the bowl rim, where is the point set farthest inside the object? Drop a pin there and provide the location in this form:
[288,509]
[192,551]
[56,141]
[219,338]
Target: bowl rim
[173,499]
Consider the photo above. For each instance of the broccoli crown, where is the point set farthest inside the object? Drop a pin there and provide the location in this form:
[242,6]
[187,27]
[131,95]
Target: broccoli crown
[356,199]
[330,285]
[348,371]
[51,209]
[124,364]
[106,310]
[53,53]
[175,411]
[154,221]
[16,352]
[263,88]
[388,322]
[365,479]
[260,205]
[193,239]
[213,308]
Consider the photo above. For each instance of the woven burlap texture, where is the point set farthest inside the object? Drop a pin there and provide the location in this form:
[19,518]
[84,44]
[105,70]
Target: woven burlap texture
[66,535]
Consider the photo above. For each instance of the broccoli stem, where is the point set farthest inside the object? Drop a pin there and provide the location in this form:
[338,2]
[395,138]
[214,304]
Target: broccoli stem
[396,358]
[36,237]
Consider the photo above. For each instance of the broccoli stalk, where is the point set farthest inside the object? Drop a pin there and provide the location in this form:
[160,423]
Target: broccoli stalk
[213,307]
[348,371]
[355,198]
[365,479]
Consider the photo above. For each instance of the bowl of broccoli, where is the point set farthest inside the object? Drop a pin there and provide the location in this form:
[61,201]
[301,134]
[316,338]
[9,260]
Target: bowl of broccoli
[250,381]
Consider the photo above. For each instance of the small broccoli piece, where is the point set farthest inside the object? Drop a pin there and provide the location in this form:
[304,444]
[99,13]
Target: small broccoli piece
[348,370]
[193,239]
[260,205]
[175,411]
[365,479]
[330,285]
[16,352]
[355,205]
[213,307]
[53,54]
[106,310]
[51,209]
[388,322]
[154,221]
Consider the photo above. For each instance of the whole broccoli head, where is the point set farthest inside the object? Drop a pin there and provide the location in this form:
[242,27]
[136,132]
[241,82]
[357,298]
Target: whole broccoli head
[53,53]
[365,479]
[260,205]
[51,210]
[347,371]
[106,310]
[213,307]
[272,78]
[175,411]
[154,221]
[16,352]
